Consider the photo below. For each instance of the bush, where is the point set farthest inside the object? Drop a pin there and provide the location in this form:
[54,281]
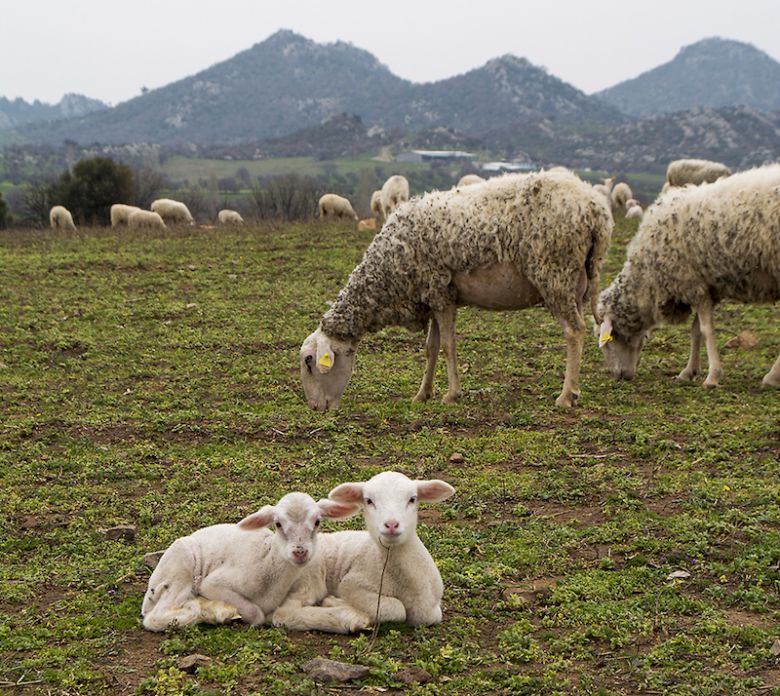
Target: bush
[92,188]
[3,213]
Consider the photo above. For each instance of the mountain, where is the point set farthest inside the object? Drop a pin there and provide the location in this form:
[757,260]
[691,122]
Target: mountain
[713,72]
[288,83]
[18,112]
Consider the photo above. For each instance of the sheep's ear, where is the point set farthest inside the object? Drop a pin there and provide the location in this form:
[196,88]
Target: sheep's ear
[434,491]
[262,518]
[336,511]
[605,332]
[347,493]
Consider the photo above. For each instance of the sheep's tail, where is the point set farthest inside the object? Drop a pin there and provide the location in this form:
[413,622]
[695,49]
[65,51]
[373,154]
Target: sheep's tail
[601,234]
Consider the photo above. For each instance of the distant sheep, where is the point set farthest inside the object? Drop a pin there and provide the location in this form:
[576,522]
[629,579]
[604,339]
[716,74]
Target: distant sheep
[630,203]
[513,242]
[173,212]
[145,219]
[376,205]
[620,194]
[229,217]
[470,179]
[695,171]
[60,218]
[394,192]
[120,213]
[337,207]
[634,213]
[696,246]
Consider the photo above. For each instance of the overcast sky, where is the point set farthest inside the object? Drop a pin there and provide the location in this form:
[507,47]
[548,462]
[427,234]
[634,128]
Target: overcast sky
[109,49]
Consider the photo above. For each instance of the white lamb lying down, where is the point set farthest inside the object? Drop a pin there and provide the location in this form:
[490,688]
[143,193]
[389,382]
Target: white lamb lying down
[346,575]
[231,571]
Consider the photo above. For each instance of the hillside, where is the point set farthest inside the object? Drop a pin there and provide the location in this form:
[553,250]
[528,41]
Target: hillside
[713,72]
[17,113]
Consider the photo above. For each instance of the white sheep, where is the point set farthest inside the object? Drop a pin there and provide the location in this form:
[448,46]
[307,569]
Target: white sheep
[244,570]
[229,217]
[120,213]
[376,205]
[145,219]
[334,206]
[696,246]
[174,212]
[695,171]
[394,192]
[513,242]
[60,218]
[620,194]
[469,179]
[634,213]
[347,572]
[630,203]
[605,189]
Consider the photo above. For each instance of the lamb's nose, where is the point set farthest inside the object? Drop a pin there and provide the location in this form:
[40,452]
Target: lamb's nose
[391,526]
[300,555]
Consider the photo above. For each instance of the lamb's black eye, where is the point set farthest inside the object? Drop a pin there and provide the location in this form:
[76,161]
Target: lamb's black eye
[317,523]
[413,499]
[278,525]
[369,501]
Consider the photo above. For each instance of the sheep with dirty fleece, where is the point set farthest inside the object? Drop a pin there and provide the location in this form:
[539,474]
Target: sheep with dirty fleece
[696,246]
[376,205]
[469,179]
[229,571]
[60,218]
[513,242]
[172,212]
[336,207]
[120,214]
[145,219]
[229,217]
[621,193]
[352,566]
[394,192]
[694,171]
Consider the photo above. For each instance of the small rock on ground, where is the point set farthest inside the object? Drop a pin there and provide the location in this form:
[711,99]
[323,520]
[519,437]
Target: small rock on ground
[413,675]
[121,531]
[189,663]
[744,339]
[323,670]
[153,558]
[457,458]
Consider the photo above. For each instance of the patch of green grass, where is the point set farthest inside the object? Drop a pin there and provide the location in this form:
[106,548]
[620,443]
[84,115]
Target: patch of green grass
[152,379]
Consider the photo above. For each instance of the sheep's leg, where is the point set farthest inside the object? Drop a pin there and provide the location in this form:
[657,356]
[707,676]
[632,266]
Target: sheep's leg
[693,366]
[446,322]
[707,328]
[338,618]
[217,592]
[574,333]
[165,616]
[432,344]
[772,378]
[365,601]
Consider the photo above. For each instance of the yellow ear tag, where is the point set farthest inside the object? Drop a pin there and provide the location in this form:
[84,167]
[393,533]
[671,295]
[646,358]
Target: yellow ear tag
[325,360]
[605,337]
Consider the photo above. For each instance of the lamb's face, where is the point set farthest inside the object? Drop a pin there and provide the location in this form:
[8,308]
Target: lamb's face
[620,352]
[326,366]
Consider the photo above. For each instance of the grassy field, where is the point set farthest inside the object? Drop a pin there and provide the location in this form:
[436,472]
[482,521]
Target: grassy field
[152,380]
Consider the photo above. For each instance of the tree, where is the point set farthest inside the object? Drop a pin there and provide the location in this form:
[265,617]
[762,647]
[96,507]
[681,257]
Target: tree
[3,213]
[93,187]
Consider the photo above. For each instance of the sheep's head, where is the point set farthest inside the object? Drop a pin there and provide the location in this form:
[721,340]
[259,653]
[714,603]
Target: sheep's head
[326,366]
[621,352]
[296,520]
[389,501]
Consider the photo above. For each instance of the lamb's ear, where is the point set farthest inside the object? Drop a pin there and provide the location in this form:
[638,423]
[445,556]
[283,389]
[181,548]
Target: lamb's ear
[433,491]
[605,331]
[347,493]
[262,518]
[336,511]
[325,356]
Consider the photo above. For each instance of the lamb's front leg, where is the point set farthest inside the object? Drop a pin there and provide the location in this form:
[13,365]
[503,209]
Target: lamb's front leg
[337,617]
[446,321]
[574,334]
[432,343]
[692,368]
[714,370]
[217,592]
[772,378]
[365,601]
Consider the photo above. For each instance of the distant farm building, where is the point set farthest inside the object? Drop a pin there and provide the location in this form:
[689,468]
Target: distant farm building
[497,167]
[420,156]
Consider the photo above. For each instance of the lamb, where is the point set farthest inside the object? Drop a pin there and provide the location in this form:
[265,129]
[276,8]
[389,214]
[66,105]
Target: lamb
[634,212]
[229,217]
[376,204]
[174,212]
[469,179]
[347,573]
[243,570]
[695,171]
[630,203]
[336,207]
[120,213]
[513,242]
[394,192]
[620,194]
[145,219]
[60,218]
[695,247]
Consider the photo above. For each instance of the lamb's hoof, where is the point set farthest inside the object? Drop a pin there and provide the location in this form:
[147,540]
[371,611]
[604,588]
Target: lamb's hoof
[710,383]
[687,375]
[567,400]
[357,621]
[422,396]
[770,382]
[451,398]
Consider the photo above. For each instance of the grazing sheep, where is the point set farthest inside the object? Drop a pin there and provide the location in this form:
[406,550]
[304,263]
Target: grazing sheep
[605,189]
[469,179]
[229,217]
[630,203]
[367,225]
[513,242]
[337,207]
[376,205]
[241,570]
[347,573]
[634,212]
[695,247]
[394,192]
[173,212]
[120,213]
[695,171]
[620,194]
[60,218]
[145,219]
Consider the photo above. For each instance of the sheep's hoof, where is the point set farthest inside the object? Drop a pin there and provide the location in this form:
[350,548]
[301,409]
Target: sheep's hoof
[687,375]
[710,383]
[567,400]
[421,396]
[451,398]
